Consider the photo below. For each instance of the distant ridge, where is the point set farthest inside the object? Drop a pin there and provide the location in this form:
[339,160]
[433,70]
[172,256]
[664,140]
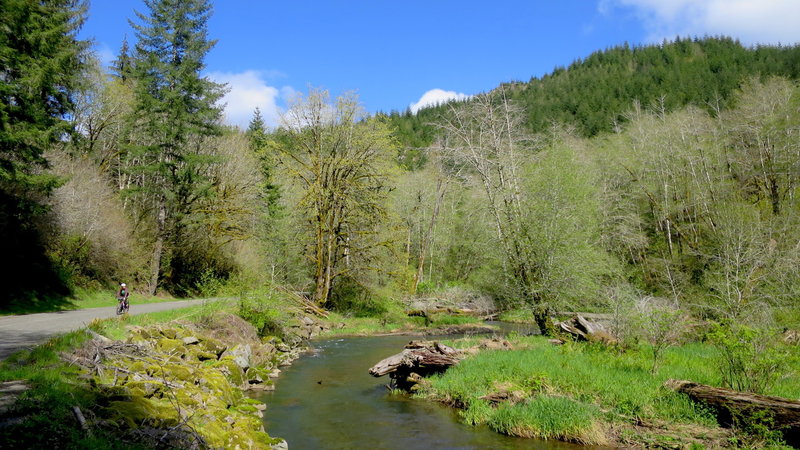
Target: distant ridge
[594,93]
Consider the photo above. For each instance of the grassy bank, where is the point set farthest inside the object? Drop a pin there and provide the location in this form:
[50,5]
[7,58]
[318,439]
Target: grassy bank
[591,394]
[47,406]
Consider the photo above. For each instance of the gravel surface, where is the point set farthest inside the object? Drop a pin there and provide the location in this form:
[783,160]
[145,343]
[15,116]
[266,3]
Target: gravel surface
[30,330]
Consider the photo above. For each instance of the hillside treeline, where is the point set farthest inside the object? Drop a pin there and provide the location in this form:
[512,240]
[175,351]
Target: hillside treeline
[648,185]
[595,93]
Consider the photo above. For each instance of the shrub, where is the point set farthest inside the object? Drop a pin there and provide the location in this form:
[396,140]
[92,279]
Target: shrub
[264,312]
[351,297]
[751,359]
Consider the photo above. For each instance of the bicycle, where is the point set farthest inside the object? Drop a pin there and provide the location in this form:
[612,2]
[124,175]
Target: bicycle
[123,306]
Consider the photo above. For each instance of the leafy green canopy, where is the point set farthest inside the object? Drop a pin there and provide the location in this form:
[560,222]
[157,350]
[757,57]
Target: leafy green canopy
[175,111]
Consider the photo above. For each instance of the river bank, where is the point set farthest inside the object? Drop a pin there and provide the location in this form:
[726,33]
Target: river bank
[183,377]
[176,377]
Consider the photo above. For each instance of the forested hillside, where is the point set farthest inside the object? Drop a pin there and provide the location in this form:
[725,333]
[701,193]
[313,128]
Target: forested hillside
[593,94]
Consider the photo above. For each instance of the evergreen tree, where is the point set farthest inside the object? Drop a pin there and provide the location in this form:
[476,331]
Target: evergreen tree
[121,67]
[176,109]
[257,137]
[40,59]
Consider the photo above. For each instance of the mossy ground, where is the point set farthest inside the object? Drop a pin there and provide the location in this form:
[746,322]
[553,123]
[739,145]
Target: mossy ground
[137,397]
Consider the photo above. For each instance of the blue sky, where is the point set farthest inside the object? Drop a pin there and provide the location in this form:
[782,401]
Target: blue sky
[408,53]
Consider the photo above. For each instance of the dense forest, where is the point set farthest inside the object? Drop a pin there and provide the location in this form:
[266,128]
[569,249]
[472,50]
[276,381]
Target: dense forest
[664,172]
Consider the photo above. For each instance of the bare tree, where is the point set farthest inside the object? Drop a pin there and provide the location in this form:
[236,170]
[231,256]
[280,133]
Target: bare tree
[486,135]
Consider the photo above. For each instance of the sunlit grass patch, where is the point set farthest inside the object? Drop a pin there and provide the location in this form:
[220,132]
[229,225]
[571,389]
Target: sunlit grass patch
[548,417]
[593,385]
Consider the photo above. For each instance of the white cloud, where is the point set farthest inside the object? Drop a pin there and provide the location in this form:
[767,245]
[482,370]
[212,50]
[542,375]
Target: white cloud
[751,21]
[436,97]
[249,90]
[105,55]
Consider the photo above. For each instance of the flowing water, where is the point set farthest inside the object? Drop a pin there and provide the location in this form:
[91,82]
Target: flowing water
[328,400]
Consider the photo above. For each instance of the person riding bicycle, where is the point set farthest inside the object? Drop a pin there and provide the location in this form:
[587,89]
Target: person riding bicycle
[122,295]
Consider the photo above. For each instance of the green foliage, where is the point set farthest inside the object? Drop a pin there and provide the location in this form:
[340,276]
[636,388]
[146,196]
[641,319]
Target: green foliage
[593,94]
[41,60]
[757,429]
[750,359]
[339,161]
[353,298]
[564,224]
[175,111]
[267,310]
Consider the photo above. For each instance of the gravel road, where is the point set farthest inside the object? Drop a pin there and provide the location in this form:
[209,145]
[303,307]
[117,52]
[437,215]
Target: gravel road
[29,330]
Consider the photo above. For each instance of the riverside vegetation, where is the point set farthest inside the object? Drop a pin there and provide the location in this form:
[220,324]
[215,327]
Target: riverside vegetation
[657,184]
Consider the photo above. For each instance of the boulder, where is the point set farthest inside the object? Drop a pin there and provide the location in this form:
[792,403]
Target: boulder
[190,340]
[240,354]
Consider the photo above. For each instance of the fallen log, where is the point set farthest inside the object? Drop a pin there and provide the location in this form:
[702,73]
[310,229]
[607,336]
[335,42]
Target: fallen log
[582,329]
[733,405]
[416,357]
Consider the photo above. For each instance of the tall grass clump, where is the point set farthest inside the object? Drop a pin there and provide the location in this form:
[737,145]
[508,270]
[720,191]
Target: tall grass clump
[547,417]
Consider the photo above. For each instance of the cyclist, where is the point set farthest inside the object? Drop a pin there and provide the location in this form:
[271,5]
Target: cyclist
[122,298]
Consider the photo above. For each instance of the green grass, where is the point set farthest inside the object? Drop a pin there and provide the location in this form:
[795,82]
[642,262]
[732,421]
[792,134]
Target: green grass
[115,328]
[547,417]
[587,378]
[47,406]
[518,315]
[365,326]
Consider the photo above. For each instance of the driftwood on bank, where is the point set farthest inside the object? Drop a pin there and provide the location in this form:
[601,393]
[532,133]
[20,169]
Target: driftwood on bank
[417,360]
[730,404]
[422,358]
[582,329]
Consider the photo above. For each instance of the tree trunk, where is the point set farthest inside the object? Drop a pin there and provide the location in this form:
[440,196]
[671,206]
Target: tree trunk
[733,406]
[544,322]
[158,248]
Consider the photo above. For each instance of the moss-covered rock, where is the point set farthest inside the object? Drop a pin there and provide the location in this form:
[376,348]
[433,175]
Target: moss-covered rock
[212,345]
[169,333]
[170,346]
[175,377]
[240,354]
[139,411]
[228,366]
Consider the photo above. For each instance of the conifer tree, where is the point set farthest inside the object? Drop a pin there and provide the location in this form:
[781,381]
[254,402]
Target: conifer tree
[121,67]
[257,137]
[40,60]
[175,110]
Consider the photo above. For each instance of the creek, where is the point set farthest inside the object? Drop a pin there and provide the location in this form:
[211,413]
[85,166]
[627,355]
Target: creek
[327,400]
